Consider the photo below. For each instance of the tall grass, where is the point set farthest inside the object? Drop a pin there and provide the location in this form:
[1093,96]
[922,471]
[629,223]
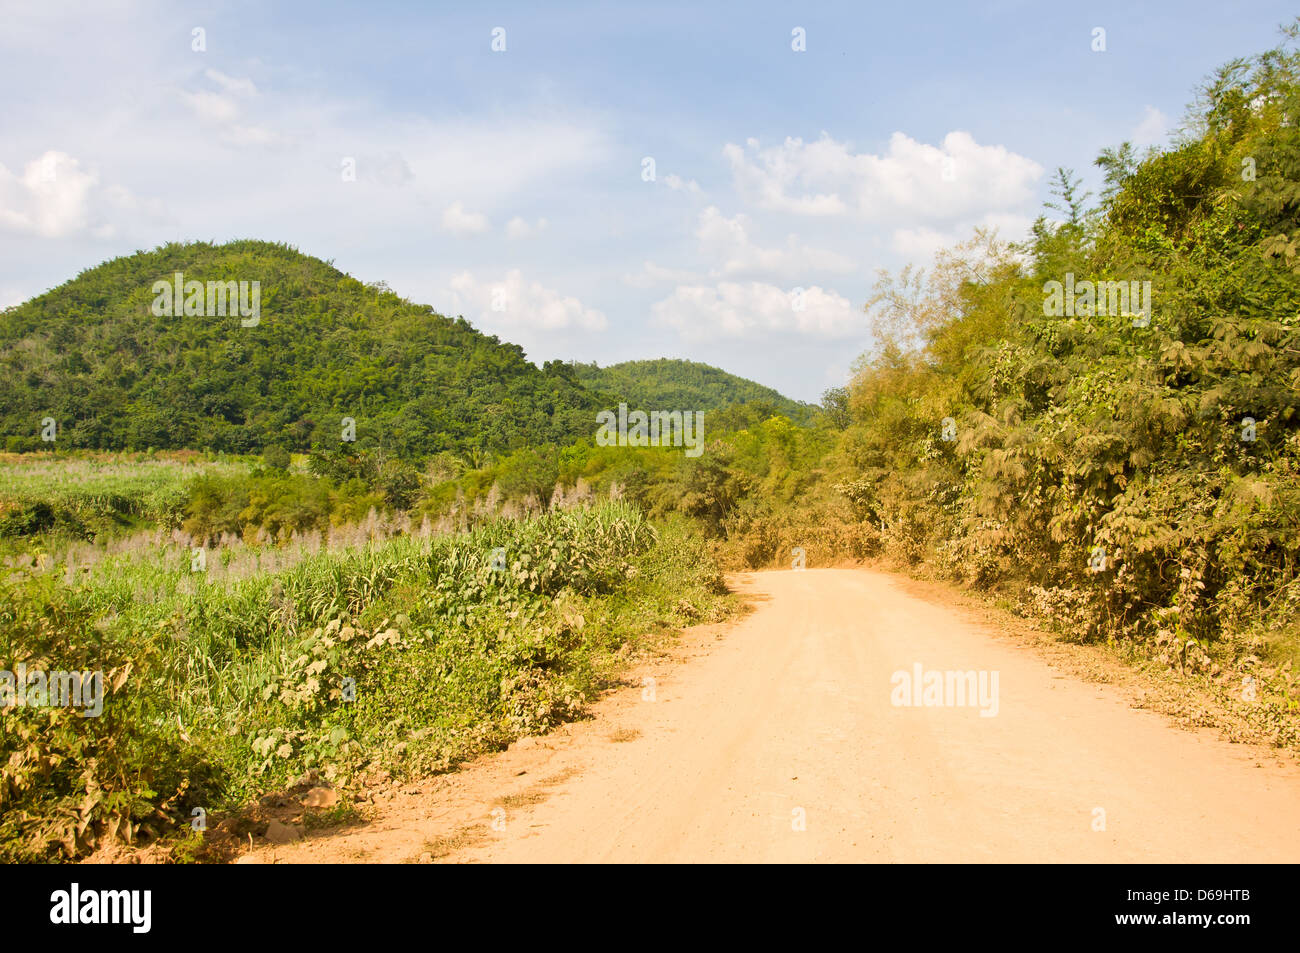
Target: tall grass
[405,652]
[90,494]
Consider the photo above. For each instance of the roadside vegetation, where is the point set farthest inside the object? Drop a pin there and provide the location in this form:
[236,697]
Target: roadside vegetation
[403,655]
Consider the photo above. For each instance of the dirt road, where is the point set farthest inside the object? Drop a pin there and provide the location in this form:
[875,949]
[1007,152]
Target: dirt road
[780,738]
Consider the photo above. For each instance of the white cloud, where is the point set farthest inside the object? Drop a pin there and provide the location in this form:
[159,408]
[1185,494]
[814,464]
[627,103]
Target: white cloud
[727,244]
[232,84]
[728,240]
[732,309]
[390,169]
[519,228]
[516,304]
[1152,128]
[239,135]
[292,129]
[913,179]
[458,221]
[652,274]
[223,110]
[678,184]
[56,198]
[766,178]
[211,107]
[920,244]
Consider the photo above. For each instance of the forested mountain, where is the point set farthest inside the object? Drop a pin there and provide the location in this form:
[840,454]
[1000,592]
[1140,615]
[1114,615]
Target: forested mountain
[96,357]
[93,355]
[683,385]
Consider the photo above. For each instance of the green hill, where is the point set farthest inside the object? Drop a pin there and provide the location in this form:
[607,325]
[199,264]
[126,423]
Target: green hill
[667,383]
[93,355]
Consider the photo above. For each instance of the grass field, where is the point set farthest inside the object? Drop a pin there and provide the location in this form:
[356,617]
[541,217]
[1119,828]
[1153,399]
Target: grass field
[375,646]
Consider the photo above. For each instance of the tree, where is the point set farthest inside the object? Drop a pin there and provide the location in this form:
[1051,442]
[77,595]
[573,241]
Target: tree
[1117,164]
[276,458]
[835,405]
[1065,186]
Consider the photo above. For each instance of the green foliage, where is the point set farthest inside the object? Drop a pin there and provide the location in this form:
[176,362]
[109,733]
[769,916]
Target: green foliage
[406,655]
[90,495]
[276,458]
[755,458]
[92,355]
[1172,448]
[530,473]
[668,384]
[68,782]
[835,405]
[274,502]
[114,376]
[396,481]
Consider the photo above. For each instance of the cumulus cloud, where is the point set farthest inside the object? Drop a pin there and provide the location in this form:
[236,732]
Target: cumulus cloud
[734,309]
[726,244]
[678,184]
[728,241]
[912,179]
[518,228]
[458,221]
[51,198]
[517,304]
[224,106]
[55,197]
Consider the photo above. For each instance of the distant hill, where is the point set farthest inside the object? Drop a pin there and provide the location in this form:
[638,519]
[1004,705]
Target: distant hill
[670,384]
[93,355]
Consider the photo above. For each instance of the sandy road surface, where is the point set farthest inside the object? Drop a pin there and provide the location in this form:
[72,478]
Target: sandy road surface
[776,739]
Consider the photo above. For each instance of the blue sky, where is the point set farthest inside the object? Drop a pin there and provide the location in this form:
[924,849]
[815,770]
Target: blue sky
[511,186]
